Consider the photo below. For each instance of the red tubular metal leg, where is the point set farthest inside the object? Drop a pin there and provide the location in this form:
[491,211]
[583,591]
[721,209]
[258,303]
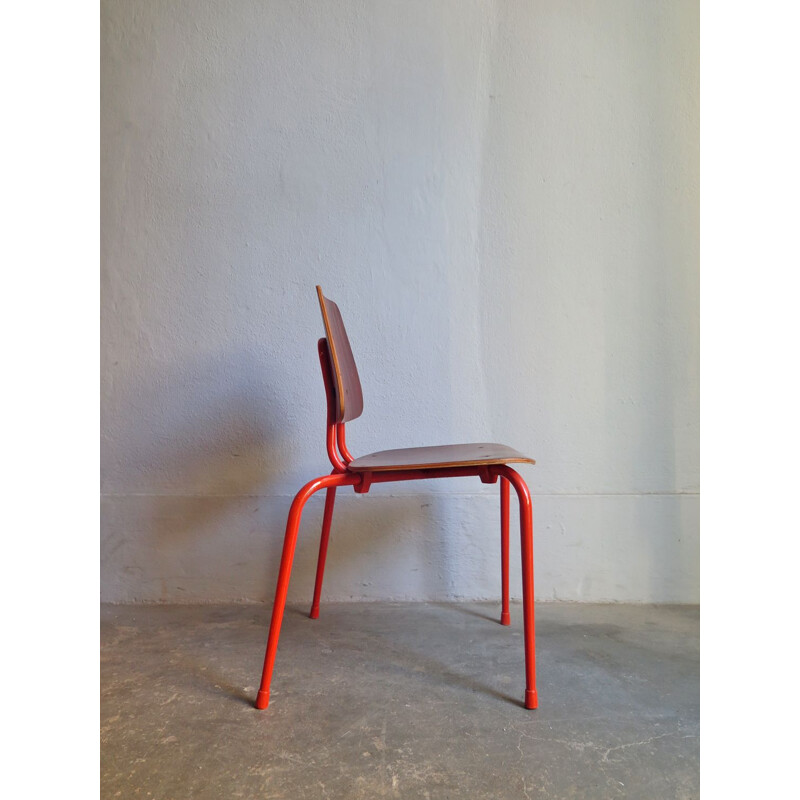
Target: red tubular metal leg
[526,547]
[330,498]
[338,478]
[505,616]
[289,542]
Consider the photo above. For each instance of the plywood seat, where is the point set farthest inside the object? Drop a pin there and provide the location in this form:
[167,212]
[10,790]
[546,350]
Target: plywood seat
[447,455]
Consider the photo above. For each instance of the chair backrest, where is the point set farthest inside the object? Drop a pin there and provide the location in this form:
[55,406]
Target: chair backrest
[346,385]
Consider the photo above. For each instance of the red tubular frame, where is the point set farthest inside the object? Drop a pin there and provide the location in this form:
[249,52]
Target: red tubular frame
[330,498]
[505,616]
[361,481]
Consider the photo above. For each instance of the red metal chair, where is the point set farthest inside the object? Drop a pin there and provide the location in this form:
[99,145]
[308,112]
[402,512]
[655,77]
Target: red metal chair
[486,461]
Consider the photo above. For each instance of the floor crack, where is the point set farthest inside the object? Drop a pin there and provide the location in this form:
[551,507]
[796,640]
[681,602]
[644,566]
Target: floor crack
[636,744]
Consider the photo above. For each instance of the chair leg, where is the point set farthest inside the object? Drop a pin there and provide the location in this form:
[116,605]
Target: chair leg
[330,498]
[505,616]
[526,548]
[289,542]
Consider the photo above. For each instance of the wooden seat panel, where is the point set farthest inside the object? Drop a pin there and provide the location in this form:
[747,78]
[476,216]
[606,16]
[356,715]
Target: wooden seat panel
[448,455]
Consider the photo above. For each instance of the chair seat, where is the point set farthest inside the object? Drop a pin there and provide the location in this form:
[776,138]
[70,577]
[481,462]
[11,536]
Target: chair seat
[448,455]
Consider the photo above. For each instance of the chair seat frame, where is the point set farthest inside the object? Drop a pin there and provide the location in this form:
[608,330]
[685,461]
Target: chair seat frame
[361,481]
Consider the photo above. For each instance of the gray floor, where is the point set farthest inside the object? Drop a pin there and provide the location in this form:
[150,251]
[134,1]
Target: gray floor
[400,700]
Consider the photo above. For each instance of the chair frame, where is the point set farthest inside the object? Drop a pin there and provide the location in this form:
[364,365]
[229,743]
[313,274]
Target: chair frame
[361,482]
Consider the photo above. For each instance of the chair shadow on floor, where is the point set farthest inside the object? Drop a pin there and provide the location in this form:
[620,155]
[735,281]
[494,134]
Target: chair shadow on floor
[471,612]
[384,650]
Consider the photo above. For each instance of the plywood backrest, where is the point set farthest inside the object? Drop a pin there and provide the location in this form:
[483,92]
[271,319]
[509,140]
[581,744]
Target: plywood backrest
[346,385]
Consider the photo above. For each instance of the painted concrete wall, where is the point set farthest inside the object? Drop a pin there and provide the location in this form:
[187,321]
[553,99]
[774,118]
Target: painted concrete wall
[503,199]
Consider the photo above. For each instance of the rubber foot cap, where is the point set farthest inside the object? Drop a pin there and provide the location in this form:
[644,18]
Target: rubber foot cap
[505,618]
[262,700]
[531,699]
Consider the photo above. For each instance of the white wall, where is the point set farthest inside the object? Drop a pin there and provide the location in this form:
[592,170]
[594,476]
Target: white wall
[503,199]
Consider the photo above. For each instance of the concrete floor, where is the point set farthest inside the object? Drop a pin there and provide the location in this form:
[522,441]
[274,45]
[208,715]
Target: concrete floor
[400,700]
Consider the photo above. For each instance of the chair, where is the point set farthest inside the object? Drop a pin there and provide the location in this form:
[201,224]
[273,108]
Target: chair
[489,462]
